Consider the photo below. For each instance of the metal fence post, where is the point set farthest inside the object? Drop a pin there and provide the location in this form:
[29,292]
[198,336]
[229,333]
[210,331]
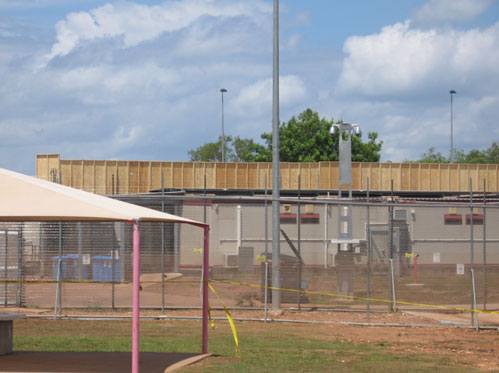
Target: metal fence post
[162,245]
[266,253]
[368,236]
[390,247]
[484,248]
[112,266]
[472,254]
[6,266]
[299,244]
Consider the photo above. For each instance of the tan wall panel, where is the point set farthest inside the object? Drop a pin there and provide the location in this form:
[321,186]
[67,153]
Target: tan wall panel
[415,171]
[434,177]
[324,170]
[188,177]
[111,176]
[290,174]
[133,177]
[482,175]
[65,172]
[315,173]
[405,176]
[444,177]
[122,180]
[454,178]
[177,177]
[356,177]
[242,175]
[210,175]
[464,178]
[156,175]
[492,178]
[45,163]
[230,175]
[100,177]
[89,176]
[199,170]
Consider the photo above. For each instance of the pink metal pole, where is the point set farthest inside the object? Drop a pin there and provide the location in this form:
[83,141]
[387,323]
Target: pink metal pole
[206,271]
[136,297]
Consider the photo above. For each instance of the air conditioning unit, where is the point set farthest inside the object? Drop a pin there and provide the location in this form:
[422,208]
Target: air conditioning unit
[399,214]
[286,209]
[231,260]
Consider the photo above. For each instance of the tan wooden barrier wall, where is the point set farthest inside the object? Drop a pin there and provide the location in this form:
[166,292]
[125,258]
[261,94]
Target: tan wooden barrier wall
[127,177]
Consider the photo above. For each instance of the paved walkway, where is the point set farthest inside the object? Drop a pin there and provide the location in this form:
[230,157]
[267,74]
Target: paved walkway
[150,362]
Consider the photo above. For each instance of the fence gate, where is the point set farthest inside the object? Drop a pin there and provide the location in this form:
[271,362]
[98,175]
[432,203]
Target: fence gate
[11,268]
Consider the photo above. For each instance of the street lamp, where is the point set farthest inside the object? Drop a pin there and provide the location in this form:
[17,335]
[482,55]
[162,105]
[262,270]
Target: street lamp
[452,92]
[223,90]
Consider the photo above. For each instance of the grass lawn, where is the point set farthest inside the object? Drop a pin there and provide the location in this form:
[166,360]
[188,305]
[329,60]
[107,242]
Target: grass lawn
[264,347]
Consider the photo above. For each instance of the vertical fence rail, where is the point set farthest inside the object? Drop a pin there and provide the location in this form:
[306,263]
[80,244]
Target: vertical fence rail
[484,272]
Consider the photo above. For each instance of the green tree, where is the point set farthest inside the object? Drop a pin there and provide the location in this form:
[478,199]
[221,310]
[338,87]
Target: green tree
[236,150]
[212,151]
[246,150]
[476,156]
[307,139]
[432,157]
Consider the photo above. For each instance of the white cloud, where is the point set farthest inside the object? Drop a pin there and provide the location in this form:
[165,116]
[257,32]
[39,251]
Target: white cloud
[136,23]
[436,11]
[400,59]
[257,97]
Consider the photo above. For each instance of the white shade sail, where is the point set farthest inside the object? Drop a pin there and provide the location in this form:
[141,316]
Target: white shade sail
[26,198]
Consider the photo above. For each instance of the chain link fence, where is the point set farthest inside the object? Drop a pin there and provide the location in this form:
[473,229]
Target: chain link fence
[400,255]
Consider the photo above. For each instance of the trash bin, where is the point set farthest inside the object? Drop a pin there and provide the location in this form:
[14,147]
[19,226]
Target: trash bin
[102,269]
[55,268]
[74,263]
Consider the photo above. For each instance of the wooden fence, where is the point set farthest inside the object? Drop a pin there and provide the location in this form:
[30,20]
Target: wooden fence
[128,177]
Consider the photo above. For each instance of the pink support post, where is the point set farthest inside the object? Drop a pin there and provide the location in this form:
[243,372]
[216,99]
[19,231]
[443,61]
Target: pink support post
[206,272]
[136,297]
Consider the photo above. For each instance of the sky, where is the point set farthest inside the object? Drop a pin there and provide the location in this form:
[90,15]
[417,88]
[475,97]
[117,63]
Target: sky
[141,80]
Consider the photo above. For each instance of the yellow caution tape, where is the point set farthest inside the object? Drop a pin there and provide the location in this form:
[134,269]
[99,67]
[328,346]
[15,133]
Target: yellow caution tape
[360,298]
[212,323]
[230,319]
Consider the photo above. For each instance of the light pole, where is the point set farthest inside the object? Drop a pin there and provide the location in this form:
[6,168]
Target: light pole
[223,90]
[276,183]
[452,92]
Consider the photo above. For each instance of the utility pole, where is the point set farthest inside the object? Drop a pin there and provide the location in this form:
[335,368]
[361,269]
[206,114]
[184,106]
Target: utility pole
[276,235]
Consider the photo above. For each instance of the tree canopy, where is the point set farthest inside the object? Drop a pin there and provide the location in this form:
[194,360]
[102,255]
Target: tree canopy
[486,156]
[235,150]
[305,138]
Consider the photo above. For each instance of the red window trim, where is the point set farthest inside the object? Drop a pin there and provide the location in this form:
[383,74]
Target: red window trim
[453,219]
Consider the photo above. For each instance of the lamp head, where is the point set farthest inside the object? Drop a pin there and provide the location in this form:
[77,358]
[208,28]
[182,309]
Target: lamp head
[452,92]
[223,90]
[356,131]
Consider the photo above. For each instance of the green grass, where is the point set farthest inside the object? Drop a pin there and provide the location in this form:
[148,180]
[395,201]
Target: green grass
[264,347]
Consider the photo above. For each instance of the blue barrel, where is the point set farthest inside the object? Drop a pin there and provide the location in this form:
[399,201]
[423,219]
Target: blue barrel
[74,261]
[102,269]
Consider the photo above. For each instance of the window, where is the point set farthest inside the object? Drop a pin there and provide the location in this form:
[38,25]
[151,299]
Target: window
[310,218]
[453,219]
[288,218]
[477,219]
